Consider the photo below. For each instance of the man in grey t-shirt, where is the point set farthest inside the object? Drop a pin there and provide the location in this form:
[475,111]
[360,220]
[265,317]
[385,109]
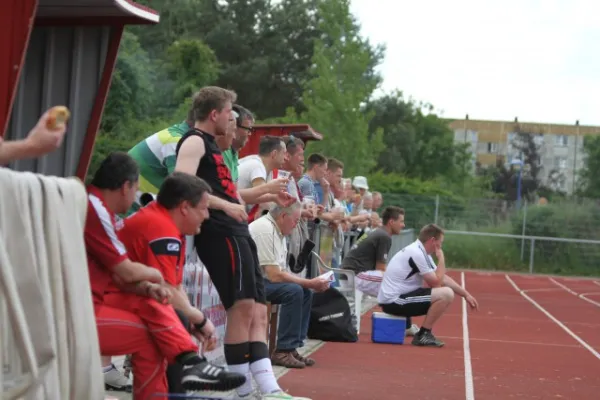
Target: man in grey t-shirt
[371,253]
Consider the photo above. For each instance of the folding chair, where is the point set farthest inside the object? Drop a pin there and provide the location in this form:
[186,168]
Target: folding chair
[348,289]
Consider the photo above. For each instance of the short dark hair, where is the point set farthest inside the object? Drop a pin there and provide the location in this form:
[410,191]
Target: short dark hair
[207,99]
[115,170]
[269,143]
[293,144]
[430,231]
[391,213]
[243,113]
[316,159]
[179,187]
[334,164]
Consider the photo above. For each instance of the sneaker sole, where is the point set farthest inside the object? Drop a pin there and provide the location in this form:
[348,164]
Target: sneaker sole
[428,345]
[127,389]
[196,383]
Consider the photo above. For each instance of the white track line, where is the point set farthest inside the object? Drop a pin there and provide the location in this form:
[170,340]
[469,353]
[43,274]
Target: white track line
[469,390]
[542,309]
[596,282]
[574,293]
[511,342]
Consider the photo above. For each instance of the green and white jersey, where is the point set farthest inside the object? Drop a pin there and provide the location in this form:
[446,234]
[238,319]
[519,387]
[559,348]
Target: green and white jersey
[156,158]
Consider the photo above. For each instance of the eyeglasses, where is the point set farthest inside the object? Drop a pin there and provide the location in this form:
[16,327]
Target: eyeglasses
[247,128]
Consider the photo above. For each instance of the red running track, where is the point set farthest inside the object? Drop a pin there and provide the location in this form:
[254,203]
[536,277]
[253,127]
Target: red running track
[516,350]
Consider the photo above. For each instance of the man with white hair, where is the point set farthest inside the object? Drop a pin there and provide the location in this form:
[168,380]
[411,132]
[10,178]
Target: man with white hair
[282,287]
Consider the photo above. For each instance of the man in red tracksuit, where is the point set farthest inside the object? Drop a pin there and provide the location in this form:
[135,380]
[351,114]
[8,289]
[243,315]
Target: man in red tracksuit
[129,297]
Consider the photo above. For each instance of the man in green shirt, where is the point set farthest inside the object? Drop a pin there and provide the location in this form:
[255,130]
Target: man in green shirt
[245,122]
[156,155]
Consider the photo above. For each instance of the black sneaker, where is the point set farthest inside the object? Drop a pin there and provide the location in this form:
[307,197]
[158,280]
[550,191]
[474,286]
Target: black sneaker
[206,376]
[426,339]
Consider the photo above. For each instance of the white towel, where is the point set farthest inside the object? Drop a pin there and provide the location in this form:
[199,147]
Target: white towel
[48,324]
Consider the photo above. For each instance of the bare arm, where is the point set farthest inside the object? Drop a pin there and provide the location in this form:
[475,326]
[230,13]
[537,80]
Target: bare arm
[131,272]
[275,275]
[432,280]
[380,266]
[181,302]
[456,288]
[190,153]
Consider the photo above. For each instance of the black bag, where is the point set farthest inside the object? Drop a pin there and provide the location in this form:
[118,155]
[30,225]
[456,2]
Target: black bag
[330,318]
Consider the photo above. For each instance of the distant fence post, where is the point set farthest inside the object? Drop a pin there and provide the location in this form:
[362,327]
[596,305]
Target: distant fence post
[437,208]
[523,230]
[531,256]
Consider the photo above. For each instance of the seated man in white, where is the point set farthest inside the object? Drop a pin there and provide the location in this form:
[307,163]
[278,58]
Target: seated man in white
[402,292]
[293,293]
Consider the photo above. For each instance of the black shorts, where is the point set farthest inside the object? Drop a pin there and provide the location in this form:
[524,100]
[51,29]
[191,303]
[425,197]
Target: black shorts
[232,263]
[411,304]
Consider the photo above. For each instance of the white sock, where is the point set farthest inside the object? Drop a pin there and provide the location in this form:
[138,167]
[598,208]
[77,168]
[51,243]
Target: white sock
[262,370]
[243,369]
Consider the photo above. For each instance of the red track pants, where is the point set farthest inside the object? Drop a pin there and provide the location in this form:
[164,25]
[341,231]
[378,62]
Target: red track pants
[150,331]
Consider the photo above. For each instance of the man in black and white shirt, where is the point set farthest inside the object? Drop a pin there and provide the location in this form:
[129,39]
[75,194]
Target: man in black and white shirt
[402,292]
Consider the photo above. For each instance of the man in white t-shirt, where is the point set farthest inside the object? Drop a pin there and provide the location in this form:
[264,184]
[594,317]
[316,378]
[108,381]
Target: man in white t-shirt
[402,292]
[254,170]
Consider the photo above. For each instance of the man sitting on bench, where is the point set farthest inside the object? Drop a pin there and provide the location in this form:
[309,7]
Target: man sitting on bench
[402,292]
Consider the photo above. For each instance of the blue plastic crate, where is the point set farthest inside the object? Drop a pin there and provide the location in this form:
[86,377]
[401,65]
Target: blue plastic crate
[387,328]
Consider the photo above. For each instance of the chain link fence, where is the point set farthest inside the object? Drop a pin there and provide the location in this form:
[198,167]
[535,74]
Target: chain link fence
[561,237]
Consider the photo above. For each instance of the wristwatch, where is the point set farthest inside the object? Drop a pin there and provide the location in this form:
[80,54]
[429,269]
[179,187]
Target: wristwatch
[200,325]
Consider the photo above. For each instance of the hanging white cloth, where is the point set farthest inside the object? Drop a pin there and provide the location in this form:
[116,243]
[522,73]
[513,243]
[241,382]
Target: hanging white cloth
[48,336]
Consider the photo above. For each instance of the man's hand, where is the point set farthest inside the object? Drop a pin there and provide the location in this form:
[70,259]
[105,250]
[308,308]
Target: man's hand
[159,293]
[206,335]
[472,302]
[278,185]
[284,199]
[325,185]
[319,284]
[439,253]
[320,209]
[237,212]
[42,139]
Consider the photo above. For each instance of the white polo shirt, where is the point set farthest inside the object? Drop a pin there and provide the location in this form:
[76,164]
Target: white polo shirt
[271,245]
[404,272]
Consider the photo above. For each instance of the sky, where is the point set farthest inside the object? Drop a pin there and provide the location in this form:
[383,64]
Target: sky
[538,60]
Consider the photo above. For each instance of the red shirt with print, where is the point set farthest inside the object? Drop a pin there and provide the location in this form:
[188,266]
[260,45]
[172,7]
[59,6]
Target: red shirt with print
[152,238]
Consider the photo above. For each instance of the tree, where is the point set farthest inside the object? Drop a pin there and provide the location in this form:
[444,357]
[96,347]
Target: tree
[132,88]
[340,85]
[526,146]
[191,65]
[589,175]
[418,143]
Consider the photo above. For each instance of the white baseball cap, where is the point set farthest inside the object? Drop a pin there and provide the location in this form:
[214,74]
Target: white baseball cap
[360,182]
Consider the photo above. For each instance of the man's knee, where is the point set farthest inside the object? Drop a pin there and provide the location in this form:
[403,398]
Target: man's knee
[242,312]
[444,294]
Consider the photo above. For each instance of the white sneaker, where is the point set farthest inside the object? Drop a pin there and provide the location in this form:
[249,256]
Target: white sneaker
[254,395]
[282,396]
[412,331]
[115,380]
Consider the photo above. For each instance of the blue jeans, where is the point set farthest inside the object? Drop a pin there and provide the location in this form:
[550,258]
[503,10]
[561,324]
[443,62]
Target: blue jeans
[294,313]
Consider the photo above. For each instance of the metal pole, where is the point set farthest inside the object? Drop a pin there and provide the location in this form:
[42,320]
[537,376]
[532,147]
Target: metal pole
[575,155]
[531,256]
[437,208]
[519,187]
[523,230]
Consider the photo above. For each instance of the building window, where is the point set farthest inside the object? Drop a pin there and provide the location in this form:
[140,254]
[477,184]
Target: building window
[492,147]
[561,140]
[560,163]
[538,140]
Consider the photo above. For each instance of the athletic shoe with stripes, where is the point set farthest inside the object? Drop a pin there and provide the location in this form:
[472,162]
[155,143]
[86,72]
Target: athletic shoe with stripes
[426,339]
[206,376]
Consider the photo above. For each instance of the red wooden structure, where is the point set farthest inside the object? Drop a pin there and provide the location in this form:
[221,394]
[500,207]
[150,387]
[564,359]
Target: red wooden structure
[301,131]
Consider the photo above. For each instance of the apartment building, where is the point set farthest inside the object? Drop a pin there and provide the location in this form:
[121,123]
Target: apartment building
[560,146]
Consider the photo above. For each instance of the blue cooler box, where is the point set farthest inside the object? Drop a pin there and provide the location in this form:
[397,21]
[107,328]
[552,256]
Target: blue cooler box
[387,328]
